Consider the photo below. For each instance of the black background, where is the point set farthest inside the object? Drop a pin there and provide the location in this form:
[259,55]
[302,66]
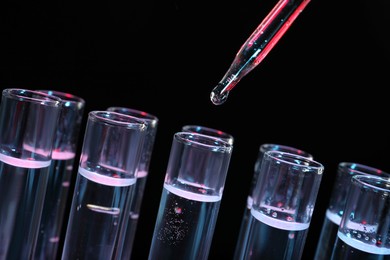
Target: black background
[323,88]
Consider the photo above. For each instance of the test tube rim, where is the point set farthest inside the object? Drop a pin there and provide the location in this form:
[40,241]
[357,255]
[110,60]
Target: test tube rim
[284,148]
[371,181]
[290,158]
[362,169]
[117,119]
[203,141]
[32,96]
[209,131]
[70,99]
[146,116]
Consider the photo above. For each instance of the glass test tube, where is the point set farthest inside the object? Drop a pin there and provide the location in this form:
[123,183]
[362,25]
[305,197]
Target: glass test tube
[28,122]
[283,204]
[247,211]
[208,131]
[104,186]
[50,236]
[364,227]
[258,45]
[142,173]
[335,210]
[191,197]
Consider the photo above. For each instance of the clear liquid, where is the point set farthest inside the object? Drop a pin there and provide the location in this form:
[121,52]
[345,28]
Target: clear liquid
[55,204]
[21,203]
[244,223]
[328,236]
[269,238]
[97,216]
[350,248]
[185,225]
[134,215]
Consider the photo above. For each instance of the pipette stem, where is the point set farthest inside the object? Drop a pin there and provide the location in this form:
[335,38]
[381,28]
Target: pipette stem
[258,45]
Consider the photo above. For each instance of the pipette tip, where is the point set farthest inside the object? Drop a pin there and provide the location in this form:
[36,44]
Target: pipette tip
[218,97]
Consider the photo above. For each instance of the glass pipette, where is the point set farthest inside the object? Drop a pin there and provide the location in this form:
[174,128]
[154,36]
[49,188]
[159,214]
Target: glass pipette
[258,45]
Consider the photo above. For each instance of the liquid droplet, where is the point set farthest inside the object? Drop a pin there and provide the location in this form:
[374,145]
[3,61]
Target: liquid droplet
[218,97]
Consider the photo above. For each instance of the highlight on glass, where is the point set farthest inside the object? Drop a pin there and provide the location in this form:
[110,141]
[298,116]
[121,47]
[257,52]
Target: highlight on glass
[191,197]
[283,203]
[104,186]
[151,122]
[335,209]
[28,124]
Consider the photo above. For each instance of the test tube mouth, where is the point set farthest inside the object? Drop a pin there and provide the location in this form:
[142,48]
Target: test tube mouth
[118,119]
[284,148]
[361,169]
[208,131]
[69,100]
[373,182]
[32,96]
[204,141]
[296,160]
[148,117]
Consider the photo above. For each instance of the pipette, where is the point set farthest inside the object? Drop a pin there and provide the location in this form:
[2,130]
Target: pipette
[258,45]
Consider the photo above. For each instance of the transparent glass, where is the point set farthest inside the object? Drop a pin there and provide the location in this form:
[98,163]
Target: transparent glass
[247,211]
[142,173]
[191,196]
[208,131]
[104,186]
[335,210]
[363,232]
[258,45]
[61,171]
[28,123]
[283,204]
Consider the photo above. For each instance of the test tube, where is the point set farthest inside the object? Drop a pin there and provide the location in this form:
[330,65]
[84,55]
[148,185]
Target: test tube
[258,45]
[28,123]
[335,210]
[364,227]
[142,173]
[209,131]
[283,204]
[104,186]
[249,202]
[55,207]
[191,197]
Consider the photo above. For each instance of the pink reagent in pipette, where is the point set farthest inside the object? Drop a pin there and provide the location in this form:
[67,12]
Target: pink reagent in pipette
[258,45]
